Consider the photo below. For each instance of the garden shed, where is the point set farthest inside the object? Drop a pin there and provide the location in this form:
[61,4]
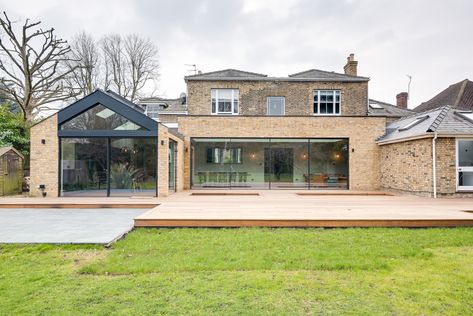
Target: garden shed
[11,171]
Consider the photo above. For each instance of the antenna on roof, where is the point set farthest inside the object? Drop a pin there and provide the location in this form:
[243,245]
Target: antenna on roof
[409,86]
[194,68]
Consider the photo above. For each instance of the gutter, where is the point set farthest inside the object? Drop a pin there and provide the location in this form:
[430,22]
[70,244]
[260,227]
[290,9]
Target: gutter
[434,165]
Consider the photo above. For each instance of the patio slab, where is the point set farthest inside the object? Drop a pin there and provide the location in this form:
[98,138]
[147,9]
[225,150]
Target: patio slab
[65,226]
[290,209]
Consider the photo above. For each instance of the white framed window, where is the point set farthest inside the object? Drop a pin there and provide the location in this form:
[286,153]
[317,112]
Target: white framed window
[152,110]
[464,164]
[276,105]
[327,102]
[224,101]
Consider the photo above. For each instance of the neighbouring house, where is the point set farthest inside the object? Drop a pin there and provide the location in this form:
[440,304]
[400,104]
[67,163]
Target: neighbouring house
[312,130]
[11,171]
[390,111]
[165,110]
[458,96]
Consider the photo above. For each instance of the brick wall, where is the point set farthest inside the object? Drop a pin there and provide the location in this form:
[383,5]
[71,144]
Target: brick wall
[44,160]
[299,96]
[407,166]
[163,161]
[362,131]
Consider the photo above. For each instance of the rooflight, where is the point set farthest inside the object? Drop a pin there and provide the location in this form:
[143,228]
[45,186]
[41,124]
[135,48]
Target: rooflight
[375,106]
[413,123]
[467,115]
[105,113]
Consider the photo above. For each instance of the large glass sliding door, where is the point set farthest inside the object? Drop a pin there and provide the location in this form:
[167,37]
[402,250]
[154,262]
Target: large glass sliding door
[132,166]
[104,166]
[84,166]
[286,163]
[328,164]
[465,165]
[263,163]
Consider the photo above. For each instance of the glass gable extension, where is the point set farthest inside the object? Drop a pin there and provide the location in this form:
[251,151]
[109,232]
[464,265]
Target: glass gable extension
[104,153]
[270,163]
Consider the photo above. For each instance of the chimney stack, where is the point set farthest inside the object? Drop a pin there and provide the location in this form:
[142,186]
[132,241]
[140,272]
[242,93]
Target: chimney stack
[401,100]
[351,66]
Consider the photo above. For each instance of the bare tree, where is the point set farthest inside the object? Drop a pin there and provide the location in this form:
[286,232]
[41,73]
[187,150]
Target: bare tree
[85,59]
[115,64]
[141,55]
[32,68]
[129,63]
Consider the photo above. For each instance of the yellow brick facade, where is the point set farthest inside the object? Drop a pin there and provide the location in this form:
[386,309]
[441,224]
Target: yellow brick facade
[298,96]
[44,159]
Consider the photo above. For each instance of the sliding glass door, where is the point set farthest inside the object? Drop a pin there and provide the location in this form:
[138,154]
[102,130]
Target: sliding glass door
[465,165]
[264,163]
[84,166]
[105,166]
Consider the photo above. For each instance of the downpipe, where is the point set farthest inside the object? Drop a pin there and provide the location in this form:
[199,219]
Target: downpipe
[434,165]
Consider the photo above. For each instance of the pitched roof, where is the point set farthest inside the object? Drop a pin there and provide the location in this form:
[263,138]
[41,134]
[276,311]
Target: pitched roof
[172,106]
[458,95]
[4,150]
[444,121]
[322,74]
[226,73]
[308,75]
[379,108]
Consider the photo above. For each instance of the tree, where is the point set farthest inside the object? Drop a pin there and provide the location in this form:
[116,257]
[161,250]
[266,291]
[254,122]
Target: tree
[14,130]
[85,59]
[33,67]
[130,62]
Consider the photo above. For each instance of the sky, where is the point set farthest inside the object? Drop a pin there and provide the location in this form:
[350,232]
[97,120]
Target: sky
[429,40]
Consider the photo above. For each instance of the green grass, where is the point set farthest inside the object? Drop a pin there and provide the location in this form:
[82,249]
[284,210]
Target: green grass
[246,272]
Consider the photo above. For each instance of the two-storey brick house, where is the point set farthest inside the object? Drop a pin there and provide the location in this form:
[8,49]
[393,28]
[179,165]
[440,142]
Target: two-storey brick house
[309,130]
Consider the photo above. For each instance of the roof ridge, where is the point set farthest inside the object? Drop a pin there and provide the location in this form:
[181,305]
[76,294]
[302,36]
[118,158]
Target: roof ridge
[460,93]
[227,69]
[325,71]
[438,120]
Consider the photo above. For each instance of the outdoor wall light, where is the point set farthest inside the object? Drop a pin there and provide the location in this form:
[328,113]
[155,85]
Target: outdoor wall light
[304,156]
[253,155]
[162,142]
[43,141]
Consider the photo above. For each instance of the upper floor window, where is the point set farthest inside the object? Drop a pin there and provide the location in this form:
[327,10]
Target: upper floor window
[327,102]
[276,105]
[152,110]
[225,101]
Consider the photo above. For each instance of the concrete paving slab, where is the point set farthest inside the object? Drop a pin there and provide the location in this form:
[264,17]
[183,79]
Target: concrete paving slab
[65,226]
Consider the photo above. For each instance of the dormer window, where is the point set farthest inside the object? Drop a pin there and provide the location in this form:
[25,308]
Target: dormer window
[152,110]
[327,102]
[224,101]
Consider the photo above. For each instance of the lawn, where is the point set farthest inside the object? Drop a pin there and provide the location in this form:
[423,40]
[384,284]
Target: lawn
[246,272]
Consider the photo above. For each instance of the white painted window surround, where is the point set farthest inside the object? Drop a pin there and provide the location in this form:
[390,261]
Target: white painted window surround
[224,101]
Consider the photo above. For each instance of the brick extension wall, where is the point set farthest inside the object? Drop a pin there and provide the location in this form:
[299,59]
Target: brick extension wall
[407,167]
[362,131]
[299,96]
[44,161]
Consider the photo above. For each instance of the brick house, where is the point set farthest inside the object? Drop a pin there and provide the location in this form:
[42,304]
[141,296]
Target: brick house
[312,130]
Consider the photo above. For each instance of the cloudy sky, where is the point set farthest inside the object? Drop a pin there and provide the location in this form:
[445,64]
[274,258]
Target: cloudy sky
[428,39]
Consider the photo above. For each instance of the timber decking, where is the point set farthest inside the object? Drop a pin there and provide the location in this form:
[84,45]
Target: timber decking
[289,209]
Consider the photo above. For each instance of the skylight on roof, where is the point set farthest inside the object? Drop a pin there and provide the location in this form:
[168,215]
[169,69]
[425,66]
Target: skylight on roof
[413,123]
[105,113]
[468,115]
[375,106]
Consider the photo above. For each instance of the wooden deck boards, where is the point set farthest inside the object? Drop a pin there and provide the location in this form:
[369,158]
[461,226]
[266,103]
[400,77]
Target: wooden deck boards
[289,209]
